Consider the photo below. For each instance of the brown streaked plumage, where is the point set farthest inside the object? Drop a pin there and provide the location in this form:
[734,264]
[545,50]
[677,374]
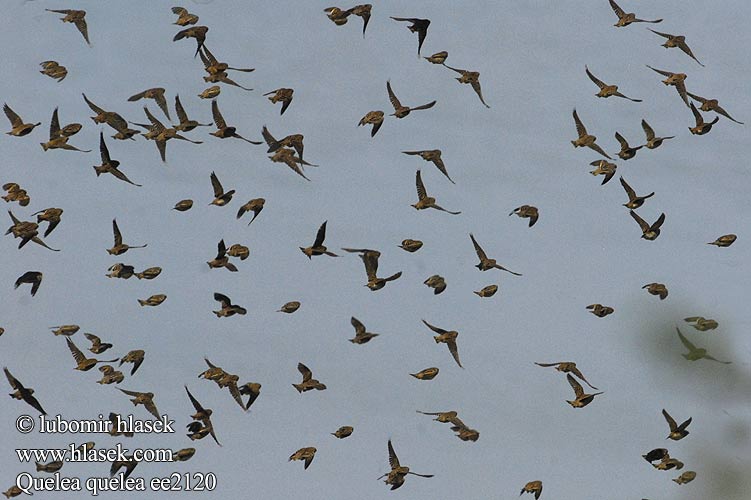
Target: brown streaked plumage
[425,201]
[110,375]
[161,134]
[605,89]
[149,273]
[18,127]
[668,463]
[183,205]
[157,94]
[238,250]
[627,152]
[210,92]
[50,467]
[438,57]
[419,26]
[213,67]
[657,289]
[472,78]
[604,168]
[77,17]
[153,300]
[54,70]
[447,337]
[307,454]
[221,259]
[532,487]
[343,432]
[487,291]
[567,367]
[337,15]
[255,205]
[362,336]
[120,270]
[318,248]
[221,197]
[702,324]
[186,124]
[290,307]
[426,374]
[678,41]
[26,231]
[486,263]
[701,127]
[677,80]
[197,32]
[308,382]
[21,393]
[624,19]
[400,111]
[282,95]
[527,212]
[585,139]
[183,454]
[581,400]
[119,247]
[712,105]
[252,390]
[66,330]
[441,416]
[600,310]
[395,477]
[370,259]
[97,346]
[143,398]
[437,283]
[433,156]
[374,118]
[202,425]
[656,454]
[112,119]
[16,193]
[50,215]
[82,362]
[136,356]
[653,141]
[723,241]
[634,201]
[110,166]
[228,308]
[410,245]
[34,278]
[677,432]
[686,477]
[184,17]
[649,232]
[363,12]
[291,141]
[287,156]
[222,130]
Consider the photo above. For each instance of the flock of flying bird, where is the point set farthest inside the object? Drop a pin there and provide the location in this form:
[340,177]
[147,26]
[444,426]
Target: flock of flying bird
[289,151]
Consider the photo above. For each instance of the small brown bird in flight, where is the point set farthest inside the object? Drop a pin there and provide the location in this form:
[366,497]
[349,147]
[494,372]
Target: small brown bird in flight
[426,374]
[425,201]
[712,105]
[434,156]
[649,232]
[318,247]
[221,259]
[136,356]
[634,201]
[184,17]
[437,283]
[677,41]
[701,127]
[22,393]
[487,291]
[677,80]
[77,17]
[290,307]
[627,152]
[605,168]
[157,94]
[653,141]
[527,212]
[223,131]
[228,308]
[362,336]
[202,425]
[54,70]
[605,89]
[410,245]
[110,166]
[657,289]
[18,127]
[701,323]
[581,399]
[585,139]
[16,193]
[600,310]
[723,241]
[447,337]
[58,140]
[486,263]
[197,32]
[532,487]
[33,278]
[281,95]
[306,454]
[472,78]
[143,398]
[398,472]
[112,119]
[438,57]
[308,382]
[120,248]
[186,124]
[343,432]
[677,432]
[624,19]
[568,367]
[370,259]
[419,26]
[97,346]
[255,205]
[221,198]
[374,118]
[218,70]
[82,362]
[401,111]
[695,353]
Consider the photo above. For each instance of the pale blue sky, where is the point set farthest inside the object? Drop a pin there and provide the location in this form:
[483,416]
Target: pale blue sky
[584,249]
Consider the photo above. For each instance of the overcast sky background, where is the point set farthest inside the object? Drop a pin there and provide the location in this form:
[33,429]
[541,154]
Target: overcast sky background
[584,249]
